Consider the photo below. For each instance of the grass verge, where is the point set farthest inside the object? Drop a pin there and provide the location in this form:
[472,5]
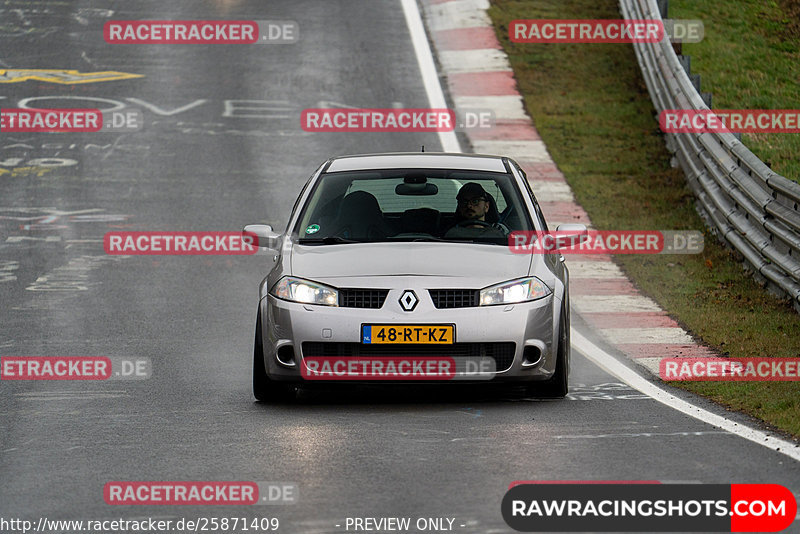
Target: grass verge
[750,59]
[591,107]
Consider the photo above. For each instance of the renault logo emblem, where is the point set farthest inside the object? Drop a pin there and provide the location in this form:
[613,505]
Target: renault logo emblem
[408,301]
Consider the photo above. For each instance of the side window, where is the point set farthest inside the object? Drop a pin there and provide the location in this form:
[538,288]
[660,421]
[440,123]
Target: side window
[537,209]
[539,214]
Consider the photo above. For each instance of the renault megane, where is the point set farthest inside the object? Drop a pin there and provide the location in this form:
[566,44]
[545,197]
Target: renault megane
[398,267]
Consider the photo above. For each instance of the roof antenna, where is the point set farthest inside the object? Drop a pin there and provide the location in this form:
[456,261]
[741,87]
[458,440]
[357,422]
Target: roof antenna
[423,148]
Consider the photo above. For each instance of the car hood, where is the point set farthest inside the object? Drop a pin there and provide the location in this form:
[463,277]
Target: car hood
[482,264]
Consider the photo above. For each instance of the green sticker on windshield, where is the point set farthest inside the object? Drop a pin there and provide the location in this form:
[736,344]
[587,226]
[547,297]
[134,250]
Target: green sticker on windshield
[313,229]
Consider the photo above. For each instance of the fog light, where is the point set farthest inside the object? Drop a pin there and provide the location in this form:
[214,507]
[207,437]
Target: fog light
[286,355]
[531,355]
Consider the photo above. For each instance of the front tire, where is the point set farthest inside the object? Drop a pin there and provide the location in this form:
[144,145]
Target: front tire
[264,388]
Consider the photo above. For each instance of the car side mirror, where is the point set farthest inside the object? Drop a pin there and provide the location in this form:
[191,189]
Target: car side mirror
[571,230]
[263,236]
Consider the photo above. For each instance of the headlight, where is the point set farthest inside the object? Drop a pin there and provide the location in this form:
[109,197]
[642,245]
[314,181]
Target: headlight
[515,291]
[305,292]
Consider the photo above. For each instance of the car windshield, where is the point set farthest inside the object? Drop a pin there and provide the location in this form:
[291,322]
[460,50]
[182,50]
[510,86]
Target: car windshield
[412,205]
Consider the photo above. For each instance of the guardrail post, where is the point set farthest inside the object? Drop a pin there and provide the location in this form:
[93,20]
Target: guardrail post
[686,63]
[695,79]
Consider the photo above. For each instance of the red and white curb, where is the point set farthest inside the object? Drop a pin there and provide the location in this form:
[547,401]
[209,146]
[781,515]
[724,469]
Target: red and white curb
[479,76]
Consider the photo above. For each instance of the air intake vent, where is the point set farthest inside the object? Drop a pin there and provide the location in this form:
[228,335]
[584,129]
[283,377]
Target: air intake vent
[454,298]
[362,298]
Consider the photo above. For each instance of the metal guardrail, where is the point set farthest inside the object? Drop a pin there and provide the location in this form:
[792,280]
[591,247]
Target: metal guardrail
[748,206]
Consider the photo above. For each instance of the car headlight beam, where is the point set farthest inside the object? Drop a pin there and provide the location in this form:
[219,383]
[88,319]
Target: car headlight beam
[305,292]
[514,291]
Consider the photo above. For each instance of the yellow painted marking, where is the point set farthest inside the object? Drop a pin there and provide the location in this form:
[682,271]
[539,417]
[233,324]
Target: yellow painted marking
[62,76]
[25,171]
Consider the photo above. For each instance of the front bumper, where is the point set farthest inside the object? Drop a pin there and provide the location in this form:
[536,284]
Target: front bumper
[291,331]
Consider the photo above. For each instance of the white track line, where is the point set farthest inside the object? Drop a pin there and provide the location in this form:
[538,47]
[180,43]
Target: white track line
[633,379]
[428,69]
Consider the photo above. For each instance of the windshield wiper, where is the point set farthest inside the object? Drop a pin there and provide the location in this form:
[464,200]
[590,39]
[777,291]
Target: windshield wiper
[415,239]
[330,240]
[493,241]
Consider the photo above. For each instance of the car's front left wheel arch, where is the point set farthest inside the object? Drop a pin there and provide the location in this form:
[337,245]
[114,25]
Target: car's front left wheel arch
[264,388]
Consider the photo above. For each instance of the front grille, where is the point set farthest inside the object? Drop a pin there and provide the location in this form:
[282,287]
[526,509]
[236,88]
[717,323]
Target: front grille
[503,353]
[362,298]
[454,298]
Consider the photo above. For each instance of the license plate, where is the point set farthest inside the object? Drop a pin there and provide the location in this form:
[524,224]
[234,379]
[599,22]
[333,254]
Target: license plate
[416,334]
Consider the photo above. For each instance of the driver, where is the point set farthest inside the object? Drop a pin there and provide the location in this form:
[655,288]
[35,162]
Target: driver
[476,215]
[473,203]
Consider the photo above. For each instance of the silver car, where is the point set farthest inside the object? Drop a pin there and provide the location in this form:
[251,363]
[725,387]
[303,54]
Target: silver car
[398,267]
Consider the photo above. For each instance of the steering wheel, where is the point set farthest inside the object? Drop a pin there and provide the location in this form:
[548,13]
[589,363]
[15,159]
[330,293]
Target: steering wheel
[473,222]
